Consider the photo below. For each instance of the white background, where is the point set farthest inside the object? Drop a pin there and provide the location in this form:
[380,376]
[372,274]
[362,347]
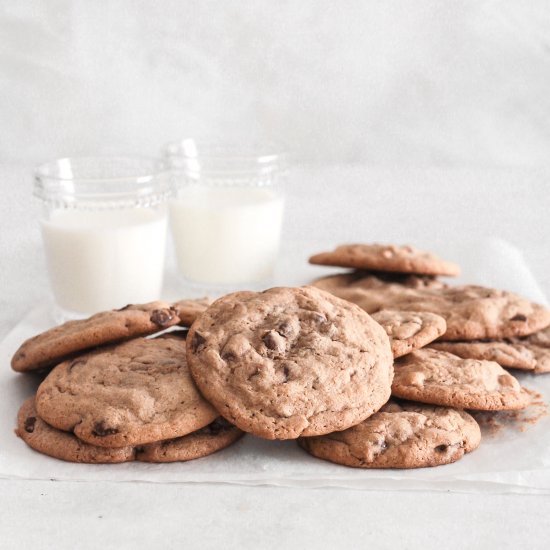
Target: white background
[385,82]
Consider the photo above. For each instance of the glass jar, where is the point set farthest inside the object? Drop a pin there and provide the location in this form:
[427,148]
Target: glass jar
[104,231]
[227,211]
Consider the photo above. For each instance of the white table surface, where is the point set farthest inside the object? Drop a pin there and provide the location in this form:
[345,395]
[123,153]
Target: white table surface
[325,206]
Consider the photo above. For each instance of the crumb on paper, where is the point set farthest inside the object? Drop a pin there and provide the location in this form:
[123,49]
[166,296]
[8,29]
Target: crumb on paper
[491,423]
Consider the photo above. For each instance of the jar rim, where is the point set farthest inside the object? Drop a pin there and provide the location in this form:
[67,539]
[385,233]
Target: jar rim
[221,157]
[46,170]
[114,180]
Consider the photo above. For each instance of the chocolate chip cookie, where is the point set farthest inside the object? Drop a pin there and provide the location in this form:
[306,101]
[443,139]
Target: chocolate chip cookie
[127,395]
[504,352]
[471,312]
[373,292]
[378,257]
[409,330]
[440,378]
[530,353]
[50,441]
[290,361]
[56,344]
[404,435]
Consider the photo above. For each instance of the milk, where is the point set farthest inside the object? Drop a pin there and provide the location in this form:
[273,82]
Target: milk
[100,260]
[226,235]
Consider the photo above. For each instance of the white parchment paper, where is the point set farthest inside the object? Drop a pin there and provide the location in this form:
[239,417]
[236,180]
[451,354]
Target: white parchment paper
[509,460]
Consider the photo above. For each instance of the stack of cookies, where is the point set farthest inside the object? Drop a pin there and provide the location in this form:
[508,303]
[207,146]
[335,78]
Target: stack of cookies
[108,402]
[478,331]
[349,367]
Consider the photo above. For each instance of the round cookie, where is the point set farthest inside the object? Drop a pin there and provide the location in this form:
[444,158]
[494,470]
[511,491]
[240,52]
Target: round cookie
[290,361]
[440,378]
[405,435]
[378,257]
[526,353]
[373,292]
[409,330]
[503,352]
[130,394]
[66,340]
[471,312]
[50,441]
[476,312]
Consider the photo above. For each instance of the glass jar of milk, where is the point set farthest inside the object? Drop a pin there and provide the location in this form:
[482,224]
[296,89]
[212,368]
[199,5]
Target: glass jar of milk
[104,231]
[226,213]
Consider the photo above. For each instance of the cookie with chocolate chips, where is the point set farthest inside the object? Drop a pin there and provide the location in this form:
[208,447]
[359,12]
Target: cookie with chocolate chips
[410,330]
[531,353]
[56,344]
[471,312]
[505,352]
[126,395]
[440,378]
[378,257]
[50,441]
[375,291]
[400,435]
[290,361]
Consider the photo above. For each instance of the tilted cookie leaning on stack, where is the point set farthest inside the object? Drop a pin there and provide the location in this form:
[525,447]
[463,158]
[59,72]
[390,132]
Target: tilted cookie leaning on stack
[403,280]
[288,362]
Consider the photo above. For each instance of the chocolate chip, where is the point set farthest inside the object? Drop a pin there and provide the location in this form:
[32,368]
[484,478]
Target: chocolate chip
[441,448]
[286,372]
[161,317]
[270,341]
[519,317]
[228,356]
[219,425]
[198,341]
[101,429]
[29,424]
[285,329]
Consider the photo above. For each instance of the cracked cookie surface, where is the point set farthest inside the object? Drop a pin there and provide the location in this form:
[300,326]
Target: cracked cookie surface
[409,330]
[440,378]
[50,441]
[400,435]
[290,361]
[56,344]
[129,394]
[379,257]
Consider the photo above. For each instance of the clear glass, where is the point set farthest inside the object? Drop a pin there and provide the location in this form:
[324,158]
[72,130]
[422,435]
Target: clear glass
[227,212]
[104,231]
